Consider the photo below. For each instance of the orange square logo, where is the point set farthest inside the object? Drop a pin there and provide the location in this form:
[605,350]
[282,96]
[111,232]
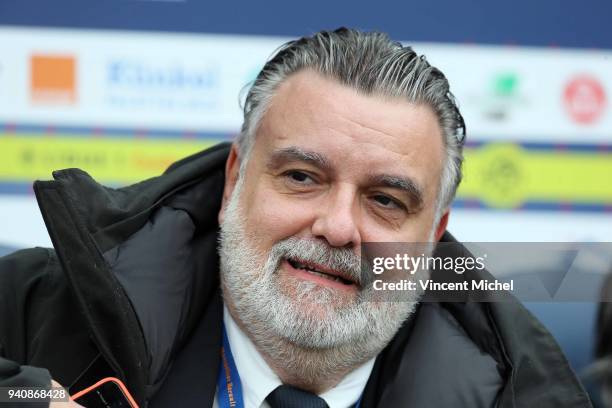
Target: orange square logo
[53,79]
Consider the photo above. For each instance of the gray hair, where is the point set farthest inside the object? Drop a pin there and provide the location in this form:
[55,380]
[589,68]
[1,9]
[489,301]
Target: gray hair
[373,64]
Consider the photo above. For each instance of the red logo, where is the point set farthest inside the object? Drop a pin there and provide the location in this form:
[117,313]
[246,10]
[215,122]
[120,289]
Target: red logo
[585,99]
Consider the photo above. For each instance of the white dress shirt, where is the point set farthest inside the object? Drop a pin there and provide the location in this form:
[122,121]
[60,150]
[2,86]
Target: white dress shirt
[258,380]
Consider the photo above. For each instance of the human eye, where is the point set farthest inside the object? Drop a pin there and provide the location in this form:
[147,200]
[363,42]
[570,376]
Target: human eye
[387,202]
[298,177]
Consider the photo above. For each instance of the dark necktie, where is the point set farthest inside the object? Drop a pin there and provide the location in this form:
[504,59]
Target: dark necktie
[286,396]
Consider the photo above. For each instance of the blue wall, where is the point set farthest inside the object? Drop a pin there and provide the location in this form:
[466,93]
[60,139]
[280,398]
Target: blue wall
[523,22]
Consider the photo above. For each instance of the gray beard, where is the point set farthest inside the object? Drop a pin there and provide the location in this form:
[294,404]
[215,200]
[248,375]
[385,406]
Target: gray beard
[317,332]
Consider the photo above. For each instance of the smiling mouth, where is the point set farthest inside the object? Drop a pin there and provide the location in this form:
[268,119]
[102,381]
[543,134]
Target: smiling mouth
[312,269]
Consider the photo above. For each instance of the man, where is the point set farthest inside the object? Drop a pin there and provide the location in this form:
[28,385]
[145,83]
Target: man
[348,138]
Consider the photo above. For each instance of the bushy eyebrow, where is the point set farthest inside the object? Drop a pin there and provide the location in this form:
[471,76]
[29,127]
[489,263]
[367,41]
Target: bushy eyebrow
[295,154]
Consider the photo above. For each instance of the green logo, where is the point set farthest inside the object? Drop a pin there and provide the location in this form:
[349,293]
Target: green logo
[505,84]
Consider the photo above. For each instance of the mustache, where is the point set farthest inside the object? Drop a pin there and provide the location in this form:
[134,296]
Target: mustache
[344,260]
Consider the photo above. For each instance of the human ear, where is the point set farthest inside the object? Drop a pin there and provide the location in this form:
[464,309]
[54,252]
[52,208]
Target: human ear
[442,224]
[232,170]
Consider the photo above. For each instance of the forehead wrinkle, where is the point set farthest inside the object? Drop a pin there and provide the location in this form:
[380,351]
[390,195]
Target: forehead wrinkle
[318,108]
[394,138]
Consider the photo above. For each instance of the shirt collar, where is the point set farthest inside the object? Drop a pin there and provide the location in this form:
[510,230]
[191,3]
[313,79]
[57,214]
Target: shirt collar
[258,379]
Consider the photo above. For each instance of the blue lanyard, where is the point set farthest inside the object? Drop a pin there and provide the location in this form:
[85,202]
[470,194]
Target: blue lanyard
[229,388]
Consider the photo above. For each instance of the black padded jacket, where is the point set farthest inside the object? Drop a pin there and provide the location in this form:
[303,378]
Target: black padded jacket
[134,274]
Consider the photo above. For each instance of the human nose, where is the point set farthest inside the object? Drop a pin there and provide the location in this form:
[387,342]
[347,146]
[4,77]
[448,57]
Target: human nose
[336,221]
